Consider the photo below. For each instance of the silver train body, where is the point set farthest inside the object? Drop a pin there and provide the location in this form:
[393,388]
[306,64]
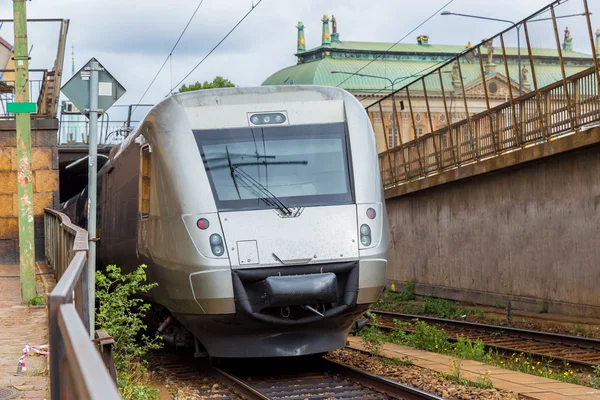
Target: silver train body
[258,211]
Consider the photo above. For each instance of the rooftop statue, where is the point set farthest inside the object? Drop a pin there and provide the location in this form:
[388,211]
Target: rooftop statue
[490,51]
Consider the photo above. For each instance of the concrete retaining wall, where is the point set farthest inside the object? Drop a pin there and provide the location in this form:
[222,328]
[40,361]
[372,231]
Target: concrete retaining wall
[529,233]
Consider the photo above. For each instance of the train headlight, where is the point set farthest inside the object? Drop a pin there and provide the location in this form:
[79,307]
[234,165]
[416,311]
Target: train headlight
[216,244]
[218,250]
[365,240]
[268,118]
[365,235]
[365,230]
[215,239]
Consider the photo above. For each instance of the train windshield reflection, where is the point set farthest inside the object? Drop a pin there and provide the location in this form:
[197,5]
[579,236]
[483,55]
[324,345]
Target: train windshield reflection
[275,167]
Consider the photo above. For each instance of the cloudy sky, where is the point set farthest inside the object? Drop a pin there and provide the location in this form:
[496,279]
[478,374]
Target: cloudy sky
[132,38]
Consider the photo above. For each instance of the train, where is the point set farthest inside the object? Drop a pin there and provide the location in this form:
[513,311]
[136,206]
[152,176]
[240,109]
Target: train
[259,212]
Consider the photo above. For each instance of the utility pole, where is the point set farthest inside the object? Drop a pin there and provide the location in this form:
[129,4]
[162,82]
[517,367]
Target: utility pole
[94,68]
[23,124]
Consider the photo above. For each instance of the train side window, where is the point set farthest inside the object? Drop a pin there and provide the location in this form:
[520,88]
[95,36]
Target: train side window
[144,202]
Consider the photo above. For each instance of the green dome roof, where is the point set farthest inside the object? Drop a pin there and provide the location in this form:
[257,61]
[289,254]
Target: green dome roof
[315,66]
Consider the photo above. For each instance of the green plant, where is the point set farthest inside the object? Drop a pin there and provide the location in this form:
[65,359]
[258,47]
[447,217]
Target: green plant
[446,309]
[404,361]
[579,329]
[373,339]
[543,308]
[596,377]
[121,312]
[428,338]
[37,301]
[467,349]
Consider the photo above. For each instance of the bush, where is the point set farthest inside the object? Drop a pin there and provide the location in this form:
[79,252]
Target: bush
[120,313]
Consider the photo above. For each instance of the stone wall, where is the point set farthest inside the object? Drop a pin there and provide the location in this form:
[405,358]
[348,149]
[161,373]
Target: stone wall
[528,233]
[45,184]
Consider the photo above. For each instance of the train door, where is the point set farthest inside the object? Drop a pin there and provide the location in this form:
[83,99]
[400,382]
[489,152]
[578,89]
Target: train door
[144,197]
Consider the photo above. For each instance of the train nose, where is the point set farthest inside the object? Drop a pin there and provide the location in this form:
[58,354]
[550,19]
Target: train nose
[292,295]
[301,290]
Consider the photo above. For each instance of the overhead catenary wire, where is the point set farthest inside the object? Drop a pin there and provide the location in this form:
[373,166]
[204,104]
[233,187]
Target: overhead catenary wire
[416,74]
[216,46]
[395,44]
[170,54]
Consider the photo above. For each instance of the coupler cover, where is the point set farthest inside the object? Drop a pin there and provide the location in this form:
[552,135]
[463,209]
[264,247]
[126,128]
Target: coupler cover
[299,290]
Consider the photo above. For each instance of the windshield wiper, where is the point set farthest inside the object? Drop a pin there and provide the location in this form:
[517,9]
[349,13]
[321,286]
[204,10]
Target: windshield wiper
[232,170]
[259,190]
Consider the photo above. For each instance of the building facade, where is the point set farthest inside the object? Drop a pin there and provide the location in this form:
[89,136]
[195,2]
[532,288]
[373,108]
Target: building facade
[474,83]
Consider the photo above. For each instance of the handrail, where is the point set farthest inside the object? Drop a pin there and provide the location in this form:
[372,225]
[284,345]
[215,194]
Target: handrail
[76,368]
[493,133]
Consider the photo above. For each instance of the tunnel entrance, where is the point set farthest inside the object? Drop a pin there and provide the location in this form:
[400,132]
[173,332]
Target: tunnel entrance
[74,179]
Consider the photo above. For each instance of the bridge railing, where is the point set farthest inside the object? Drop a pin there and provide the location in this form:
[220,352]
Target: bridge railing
[491,98]
[77,370]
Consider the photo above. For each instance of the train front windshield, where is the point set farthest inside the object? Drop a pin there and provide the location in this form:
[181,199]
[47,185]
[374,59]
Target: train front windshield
[256,168]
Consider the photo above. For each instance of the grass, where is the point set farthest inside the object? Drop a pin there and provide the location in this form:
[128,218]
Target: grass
[430,338]
[404,301]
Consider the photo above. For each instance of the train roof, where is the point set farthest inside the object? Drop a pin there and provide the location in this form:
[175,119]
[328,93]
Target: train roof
[236,96]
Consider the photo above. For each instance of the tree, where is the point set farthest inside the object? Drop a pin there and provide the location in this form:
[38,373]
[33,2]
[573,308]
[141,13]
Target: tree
[218,82]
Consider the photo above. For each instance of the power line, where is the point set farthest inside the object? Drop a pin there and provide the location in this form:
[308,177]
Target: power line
[217,45]
[418,73]
[392,46]
[170,53]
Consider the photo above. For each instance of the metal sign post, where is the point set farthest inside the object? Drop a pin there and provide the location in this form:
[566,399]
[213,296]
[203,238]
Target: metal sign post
[92,90]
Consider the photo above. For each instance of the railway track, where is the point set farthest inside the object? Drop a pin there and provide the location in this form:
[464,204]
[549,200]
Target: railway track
[578,351]
[302,378]
[325,380]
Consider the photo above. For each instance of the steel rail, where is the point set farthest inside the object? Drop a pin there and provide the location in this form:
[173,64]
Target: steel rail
[299,384]
[379,383]
[498,334]
[240,386]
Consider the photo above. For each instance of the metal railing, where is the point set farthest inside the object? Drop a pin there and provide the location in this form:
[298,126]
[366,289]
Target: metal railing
[470,108]
[73,128]
[76,368]
[37,78]
[503,129]
[43,90]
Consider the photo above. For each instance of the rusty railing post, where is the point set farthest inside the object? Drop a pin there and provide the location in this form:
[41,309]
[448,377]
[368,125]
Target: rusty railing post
[487,100]
[562,70]
[431,130]
[412,116]
[510,94]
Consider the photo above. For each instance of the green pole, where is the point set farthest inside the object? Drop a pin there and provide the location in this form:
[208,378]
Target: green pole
[24,176]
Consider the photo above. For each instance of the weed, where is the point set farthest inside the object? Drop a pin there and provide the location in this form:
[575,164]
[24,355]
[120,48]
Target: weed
[391,300]
[482,382]
[427,337]
[37,301]
[120,312]
[543,308]
[447,309]
[469,350]
[404,361]
[596,378]
[580,329]
[372,339]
